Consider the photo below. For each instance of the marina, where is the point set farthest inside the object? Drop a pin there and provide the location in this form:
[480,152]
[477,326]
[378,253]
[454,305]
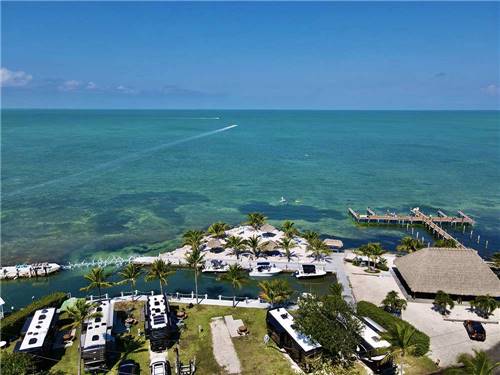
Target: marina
[432,223]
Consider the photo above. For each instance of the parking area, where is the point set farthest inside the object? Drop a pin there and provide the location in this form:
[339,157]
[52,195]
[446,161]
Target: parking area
[449,338]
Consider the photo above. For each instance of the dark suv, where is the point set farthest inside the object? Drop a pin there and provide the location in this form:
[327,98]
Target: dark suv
[475,330]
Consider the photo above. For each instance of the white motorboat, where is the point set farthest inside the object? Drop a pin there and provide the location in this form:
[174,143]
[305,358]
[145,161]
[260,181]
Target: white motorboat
[215,266]
[264,269]
[309,271]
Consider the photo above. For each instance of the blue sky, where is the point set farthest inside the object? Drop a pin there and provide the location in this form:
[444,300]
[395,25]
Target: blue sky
[251,55]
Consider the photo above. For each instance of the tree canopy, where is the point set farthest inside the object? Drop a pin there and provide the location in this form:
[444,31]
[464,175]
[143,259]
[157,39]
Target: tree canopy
[330,321]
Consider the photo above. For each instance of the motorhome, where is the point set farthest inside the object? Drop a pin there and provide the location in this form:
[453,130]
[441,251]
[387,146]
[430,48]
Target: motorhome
[299,346]
[371,348]
[158,324]
[38,333]
[97,338]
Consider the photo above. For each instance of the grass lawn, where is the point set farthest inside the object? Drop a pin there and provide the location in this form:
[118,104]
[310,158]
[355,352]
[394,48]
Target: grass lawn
[254,355]
[196,342]
[419,366]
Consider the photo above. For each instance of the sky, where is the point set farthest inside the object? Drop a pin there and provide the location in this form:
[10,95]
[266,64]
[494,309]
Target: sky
[250,55]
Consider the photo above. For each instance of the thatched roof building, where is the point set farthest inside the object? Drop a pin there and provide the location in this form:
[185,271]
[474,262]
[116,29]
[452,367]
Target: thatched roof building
[458,272]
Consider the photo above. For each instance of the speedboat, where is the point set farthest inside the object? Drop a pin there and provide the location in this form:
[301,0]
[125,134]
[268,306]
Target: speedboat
[215,266]
[282,200]
[264,269]
[309,271]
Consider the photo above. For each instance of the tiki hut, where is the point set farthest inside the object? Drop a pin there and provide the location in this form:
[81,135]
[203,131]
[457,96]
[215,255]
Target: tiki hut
[333,244]
[458,272]
[269,246]
[214,244]
[268,230]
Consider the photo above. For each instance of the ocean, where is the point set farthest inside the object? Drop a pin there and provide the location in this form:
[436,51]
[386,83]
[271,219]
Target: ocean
[81,184]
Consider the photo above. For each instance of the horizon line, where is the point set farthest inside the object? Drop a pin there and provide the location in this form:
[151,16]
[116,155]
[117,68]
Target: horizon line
[250,109]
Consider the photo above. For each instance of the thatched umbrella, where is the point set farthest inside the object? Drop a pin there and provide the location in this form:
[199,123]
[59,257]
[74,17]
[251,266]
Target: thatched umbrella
[267,228]
[269,246]
[214,243]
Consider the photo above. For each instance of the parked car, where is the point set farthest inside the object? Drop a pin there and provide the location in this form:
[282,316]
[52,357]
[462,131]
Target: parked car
[160,367]
[128,367]
[475,330]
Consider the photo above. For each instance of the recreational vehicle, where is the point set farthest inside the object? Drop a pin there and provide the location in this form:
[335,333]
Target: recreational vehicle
[280,329]
[97,339]
[38,333]
[158,324]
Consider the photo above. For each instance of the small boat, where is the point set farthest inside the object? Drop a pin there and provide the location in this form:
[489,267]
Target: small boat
[309,271]
[215,266]
[282,200]
[264,269]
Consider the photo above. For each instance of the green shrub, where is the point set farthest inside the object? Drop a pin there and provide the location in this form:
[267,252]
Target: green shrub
[388,321]
[16,363]
[12,324]
[382,267]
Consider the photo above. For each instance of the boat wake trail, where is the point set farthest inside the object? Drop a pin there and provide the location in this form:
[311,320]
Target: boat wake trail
[90,173]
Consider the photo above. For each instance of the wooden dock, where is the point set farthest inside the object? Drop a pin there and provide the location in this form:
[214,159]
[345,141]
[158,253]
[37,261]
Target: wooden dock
[432,223]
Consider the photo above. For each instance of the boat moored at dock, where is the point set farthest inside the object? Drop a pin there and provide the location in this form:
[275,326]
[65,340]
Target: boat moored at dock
[264,269]
[215,266]
[309,271]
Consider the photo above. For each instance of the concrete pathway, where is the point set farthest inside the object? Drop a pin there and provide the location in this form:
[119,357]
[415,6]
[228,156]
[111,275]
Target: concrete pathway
[223,347]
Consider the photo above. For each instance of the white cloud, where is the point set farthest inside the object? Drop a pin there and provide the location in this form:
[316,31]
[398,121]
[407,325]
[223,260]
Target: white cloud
[125,89]
[91,86]
[9,78]
[70,85]
[492,90]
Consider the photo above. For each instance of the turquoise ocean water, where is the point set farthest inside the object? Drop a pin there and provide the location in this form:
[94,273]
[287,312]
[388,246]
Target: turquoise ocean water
[77,184]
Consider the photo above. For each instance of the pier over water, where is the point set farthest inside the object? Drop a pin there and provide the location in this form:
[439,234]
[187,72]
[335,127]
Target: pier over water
[432,223]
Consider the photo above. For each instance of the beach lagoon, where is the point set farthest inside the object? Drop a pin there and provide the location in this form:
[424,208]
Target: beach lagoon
[80,184]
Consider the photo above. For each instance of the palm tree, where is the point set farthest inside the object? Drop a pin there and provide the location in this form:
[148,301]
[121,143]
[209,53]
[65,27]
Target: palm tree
[445,242]
[195,259]
[79,312]
[256,247]
[376,253]
[484,305]
[409,245]
[289,229]
[371,250]
[479,364]
[159,271]
[97,279]
[317,248]
[442,301]
[237,276]
[130,274]
[402,343]
[236,244]
[256,220]
[393,303]
[192,238]
[276,291]
[310,236]
[287,244]
[218,230]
